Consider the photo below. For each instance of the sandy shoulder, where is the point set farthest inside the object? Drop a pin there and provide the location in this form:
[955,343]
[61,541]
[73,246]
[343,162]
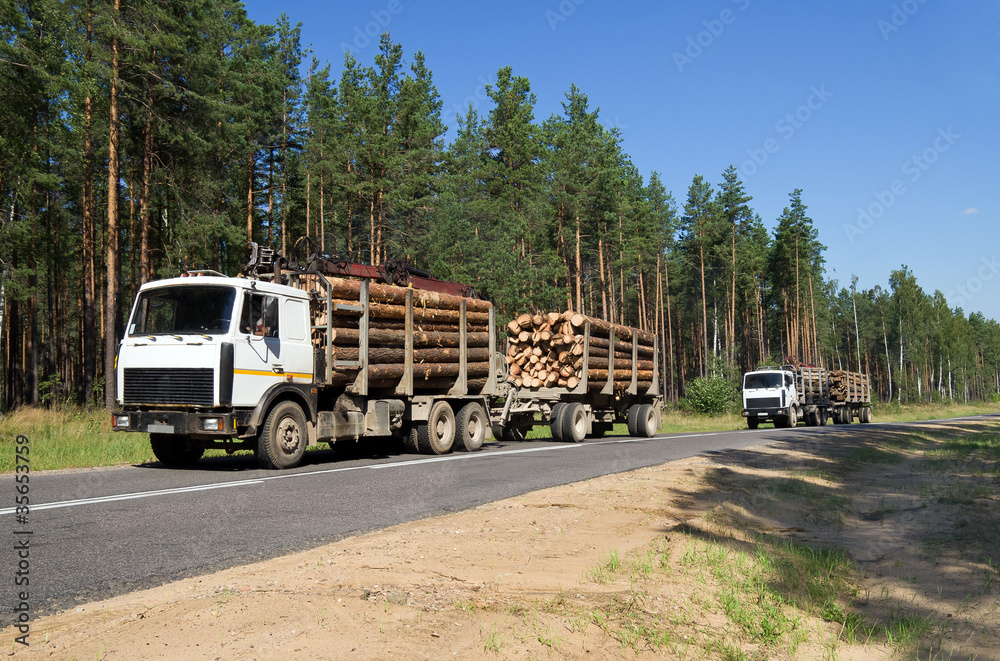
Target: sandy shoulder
[511,579]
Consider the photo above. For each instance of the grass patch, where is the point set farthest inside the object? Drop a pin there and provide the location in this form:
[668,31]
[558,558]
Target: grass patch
[869,454]
[70,438]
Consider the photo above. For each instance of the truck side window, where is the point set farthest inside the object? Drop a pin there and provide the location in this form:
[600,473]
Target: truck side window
[260,315]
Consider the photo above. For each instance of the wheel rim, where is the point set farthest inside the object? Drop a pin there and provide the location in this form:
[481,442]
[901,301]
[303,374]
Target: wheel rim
[579,423]
[289,435]
[650,422]
[443,427]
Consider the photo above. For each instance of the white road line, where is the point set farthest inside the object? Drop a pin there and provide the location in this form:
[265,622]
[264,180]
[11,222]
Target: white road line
[283,476]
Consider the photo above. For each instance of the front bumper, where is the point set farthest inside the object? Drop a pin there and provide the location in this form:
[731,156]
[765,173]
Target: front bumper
[764,414]
[188,423]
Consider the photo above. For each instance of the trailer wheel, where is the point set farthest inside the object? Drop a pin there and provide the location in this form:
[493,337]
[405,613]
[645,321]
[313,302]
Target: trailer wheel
[752,422]
[283,439]
[174,450]
[555,421]
[865,414]
[573,422]
[437,435]
[648,422]
[632,420]
[470,427]
[822,417]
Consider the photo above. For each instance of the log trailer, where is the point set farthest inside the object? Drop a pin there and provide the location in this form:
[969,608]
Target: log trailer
[784,395]
[295,353]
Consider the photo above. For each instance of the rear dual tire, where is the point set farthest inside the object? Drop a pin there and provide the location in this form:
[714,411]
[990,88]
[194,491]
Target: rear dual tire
[568,422]
[643,420]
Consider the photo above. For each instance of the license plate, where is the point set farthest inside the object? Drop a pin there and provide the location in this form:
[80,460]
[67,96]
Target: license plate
[160,429]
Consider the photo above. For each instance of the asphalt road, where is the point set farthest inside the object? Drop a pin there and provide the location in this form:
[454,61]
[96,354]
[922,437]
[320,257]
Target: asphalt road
[103,532]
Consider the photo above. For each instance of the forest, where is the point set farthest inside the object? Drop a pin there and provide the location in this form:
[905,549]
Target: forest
[141,140]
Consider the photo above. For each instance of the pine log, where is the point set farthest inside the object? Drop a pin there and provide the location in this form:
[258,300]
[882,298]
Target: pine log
[620,375]
[432,355]
[344,288]
[434,315]
[393,338]
[602,363]
[427,370]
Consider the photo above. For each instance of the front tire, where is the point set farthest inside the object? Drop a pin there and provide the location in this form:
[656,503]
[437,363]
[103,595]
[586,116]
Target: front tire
[284,437]
[573,422]
[753,423]
[172,450]
[470,427]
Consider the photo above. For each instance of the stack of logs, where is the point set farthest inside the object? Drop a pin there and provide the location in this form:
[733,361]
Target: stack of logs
[849,386]
[814,383]
[436,336]
[546,351]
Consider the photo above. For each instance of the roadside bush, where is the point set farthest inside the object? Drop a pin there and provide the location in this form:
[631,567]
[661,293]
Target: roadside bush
[711,395]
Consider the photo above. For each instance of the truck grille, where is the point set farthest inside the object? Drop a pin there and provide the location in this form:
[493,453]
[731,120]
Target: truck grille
[191,386]
[763,403]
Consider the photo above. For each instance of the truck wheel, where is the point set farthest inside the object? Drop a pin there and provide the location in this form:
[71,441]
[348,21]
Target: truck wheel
[822,417]
[648,422]
[470,427]
[283,439]
[793,418]
[573,422]
[752,422]
[174,450]
[437,435]
[555,421]
[865,414]
[410,442]
[632,420]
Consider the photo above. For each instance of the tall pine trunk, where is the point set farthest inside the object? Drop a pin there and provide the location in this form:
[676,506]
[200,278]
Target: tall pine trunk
[89,318]
[113,265]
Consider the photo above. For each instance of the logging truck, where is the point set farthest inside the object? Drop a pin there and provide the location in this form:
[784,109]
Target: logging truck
[784,395]
[291,355]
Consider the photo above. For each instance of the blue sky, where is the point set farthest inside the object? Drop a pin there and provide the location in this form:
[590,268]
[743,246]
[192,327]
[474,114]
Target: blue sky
[885,112]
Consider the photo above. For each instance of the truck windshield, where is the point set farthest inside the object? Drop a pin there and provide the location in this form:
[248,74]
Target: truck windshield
[198,310]
[768,380]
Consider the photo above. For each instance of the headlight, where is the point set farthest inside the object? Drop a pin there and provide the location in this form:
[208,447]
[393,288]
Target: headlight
[211,424]
[120,421]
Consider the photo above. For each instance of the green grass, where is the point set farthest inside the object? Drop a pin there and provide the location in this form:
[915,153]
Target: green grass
[70,438]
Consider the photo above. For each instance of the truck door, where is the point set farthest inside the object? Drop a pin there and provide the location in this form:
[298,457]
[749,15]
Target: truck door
[297,358]
[257,363]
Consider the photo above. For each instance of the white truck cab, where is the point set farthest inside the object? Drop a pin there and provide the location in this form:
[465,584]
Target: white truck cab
[202,352]
[769,394]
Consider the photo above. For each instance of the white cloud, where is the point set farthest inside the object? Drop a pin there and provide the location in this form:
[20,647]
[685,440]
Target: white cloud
[971,211]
